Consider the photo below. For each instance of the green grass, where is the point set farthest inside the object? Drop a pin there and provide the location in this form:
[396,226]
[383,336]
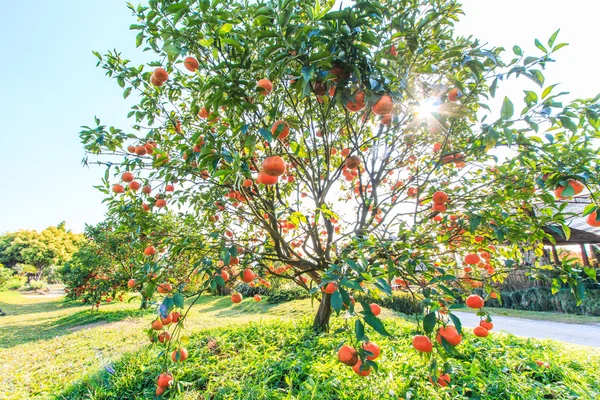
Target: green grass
[540,315]
[262,352]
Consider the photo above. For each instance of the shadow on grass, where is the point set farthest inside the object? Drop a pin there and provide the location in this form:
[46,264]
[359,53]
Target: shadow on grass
[52,328]
[51,304]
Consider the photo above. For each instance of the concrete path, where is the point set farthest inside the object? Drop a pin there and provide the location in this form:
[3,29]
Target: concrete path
[587,335]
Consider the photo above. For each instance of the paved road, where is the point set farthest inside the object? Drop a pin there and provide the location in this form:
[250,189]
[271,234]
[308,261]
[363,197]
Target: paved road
[587,335]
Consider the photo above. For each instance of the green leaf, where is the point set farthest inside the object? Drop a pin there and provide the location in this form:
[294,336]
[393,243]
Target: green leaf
[267,135]
[226,28]
[359,330]
[376,324]
[383,285]
[493,87]
[590,208]
[568,123]
[171,49]
[580,292]
[336,301]
[456,322]
[508,134]
[547,91]
[540,46]
[507,109]
[356,267]
[553,38]
[559,46]
[530,97]
[517,50]
[127,92]
[429,322]
[179,300]
[591,272]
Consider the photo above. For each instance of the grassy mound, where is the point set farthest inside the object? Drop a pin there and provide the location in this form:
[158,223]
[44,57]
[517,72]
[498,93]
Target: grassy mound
[282,359]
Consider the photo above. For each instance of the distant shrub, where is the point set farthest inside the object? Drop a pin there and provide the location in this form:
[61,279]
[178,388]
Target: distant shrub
[277,296]
[37,285]
[14,283]
[5,275]
[399,301]
[541,299]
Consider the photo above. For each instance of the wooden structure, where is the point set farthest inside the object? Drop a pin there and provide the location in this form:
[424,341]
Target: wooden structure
[582,234]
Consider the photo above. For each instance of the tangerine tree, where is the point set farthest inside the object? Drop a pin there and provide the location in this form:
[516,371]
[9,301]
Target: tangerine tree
[346,150]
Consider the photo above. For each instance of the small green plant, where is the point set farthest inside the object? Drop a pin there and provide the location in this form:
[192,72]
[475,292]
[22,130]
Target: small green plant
[37,285]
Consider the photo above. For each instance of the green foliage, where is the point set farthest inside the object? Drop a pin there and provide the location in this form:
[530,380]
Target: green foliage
[285,361]
[402,302]
[37,285]
[5,275]
[284,295]
[14,283]
[542,299]
[51,247]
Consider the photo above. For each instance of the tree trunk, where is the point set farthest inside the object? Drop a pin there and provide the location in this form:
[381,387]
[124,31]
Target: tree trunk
[144,304]
[321,322]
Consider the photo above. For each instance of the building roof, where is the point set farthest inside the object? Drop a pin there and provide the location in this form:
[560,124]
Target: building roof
[581,231]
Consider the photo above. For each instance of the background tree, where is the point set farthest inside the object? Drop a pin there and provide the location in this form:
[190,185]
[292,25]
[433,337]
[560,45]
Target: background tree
[343,149]
[49,248]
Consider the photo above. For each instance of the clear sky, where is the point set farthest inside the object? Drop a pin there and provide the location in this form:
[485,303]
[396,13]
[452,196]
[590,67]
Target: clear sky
[50,86]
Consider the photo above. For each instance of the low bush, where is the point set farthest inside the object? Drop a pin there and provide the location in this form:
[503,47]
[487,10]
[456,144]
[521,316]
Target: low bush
[402,302]
[542,299]
[37,285]
[283,295]
[14,283]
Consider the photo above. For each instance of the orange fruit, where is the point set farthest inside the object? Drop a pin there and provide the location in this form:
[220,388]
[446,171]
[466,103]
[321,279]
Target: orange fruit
[118,188]
[591,219]
[371,348]
[146,190]
[257,298]
[274,166]
[248,275]
[357,368]
[150,251]
[422,343]
[164,336]
[265,85]
[179,355]
[157,325]
[443,380]
[474,301]
[247,183]
[358,103]
[384,106]
[449,333]
[131,283]
[160,75]
[454,94]
[141,150]
[204,113]
[330,288]
[266,179]
[375,309]
[284,131]
[127,177]
[159,390]
[440,197]
[191,64]
[472,259]
[236,298]
[164,380]
[135,185]
[164,288]
[175,316]
[480,331]
[487,325]
[160,203]
[348,355]
[352,162]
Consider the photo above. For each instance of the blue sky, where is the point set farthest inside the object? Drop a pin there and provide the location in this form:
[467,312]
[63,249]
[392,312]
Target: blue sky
[51,87]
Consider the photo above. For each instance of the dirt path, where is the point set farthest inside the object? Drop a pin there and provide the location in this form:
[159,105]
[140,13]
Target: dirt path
[587,335]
